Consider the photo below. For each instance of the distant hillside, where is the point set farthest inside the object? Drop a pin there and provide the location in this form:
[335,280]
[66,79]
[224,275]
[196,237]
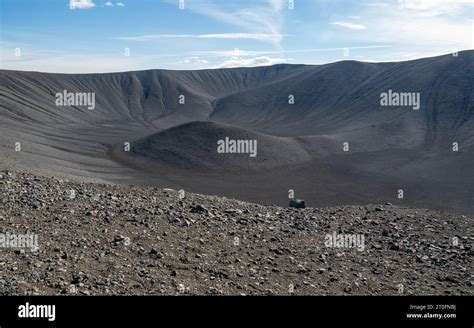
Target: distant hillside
[300,144]
[341,98]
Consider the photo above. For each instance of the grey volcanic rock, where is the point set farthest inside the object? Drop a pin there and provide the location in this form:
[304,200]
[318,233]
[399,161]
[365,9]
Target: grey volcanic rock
[300,147]
[297,203]
[194,146]
[343,99]
[134,242]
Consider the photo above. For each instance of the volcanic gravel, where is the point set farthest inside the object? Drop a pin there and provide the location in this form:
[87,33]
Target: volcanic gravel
[97,239]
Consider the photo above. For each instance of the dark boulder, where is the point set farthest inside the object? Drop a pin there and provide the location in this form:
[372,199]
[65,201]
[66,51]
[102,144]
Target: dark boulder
[297,203]
[198,209]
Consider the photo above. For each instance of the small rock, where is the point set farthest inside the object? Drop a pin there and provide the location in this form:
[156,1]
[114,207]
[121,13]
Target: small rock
[297,203]
[394,247]
[198,209]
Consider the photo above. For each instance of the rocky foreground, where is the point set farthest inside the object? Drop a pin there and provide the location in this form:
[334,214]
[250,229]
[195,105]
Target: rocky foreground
[120,240]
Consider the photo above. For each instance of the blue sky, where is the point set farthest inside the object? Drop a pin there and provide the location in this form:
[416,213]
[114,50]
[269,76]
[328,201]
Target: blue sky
[79,36]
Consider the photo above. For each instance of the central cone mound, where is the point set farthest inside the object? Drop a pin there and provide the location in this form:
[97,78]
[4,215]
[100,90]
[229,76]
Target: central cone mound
[195,146]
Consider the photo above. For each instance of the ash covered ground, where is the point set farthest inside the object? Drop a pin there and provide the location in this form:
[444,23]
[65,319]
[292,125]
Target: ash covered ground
[99,239]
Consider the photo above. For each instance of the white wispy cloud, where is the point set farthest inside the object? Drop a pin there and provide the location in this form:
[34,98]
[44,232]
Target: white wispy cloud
[263,18]
[251,62]
[111,4]
[81,4]
[56,61]
[429,24]
[349,25]
[253,53]
[194,60]
[431,8]
[277,5]
[76,64]
[424,27]
[379,5]
[234,36]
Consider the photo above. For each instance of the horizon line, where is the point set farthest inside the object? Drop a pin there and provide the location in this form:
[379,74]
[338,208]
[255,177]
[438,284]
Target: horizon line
[244,67]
